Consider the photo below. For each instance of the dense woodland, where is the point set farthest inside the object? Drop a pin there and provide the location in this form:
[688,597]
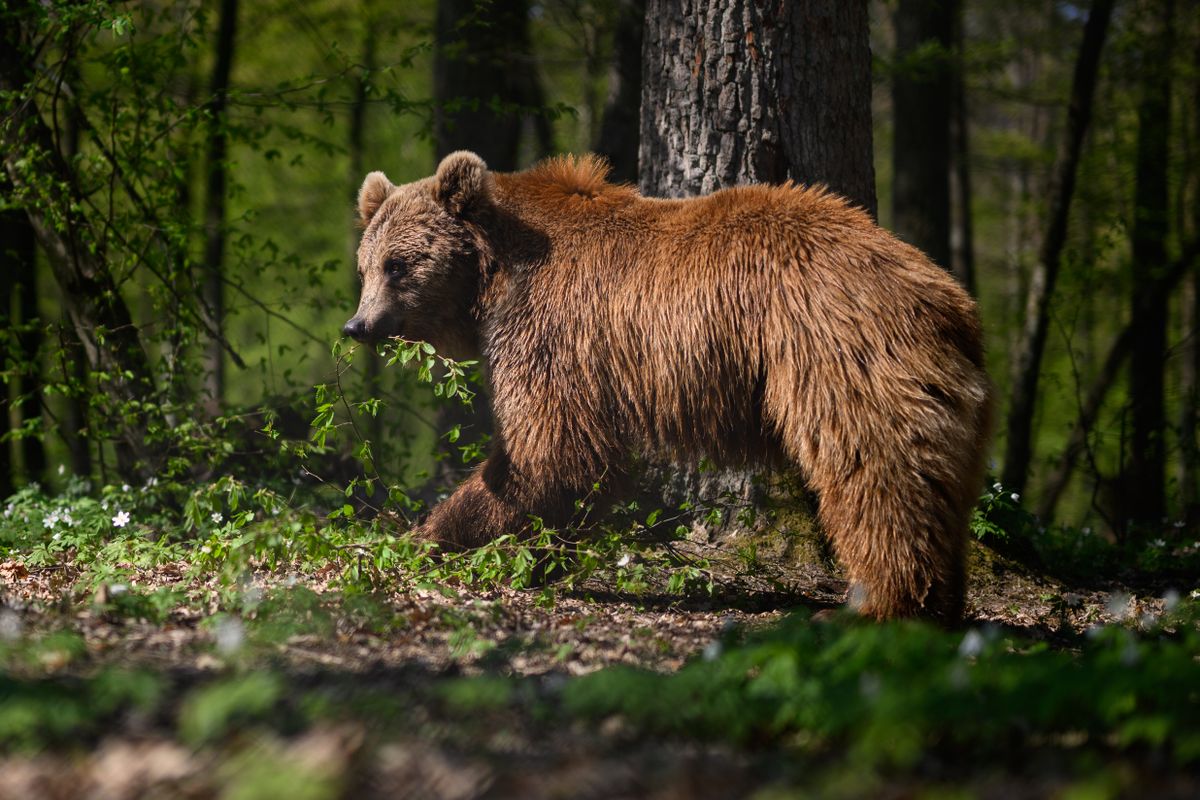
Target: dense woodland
[178,236]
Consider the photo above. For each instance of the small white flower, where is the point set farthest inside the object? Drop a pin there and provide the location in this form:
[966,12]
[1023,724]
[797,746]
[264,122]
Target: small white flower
[56,536]
[151,482]
[121,519]
[623,561]
[67,518]
[229,634]
[51,520]
[971,645]
[1170,599]
[205,549]
[62,468]
[217,518]
[124,487]
[8,510]
[1016,497]
[1159,543]
[10,625]
[104,505]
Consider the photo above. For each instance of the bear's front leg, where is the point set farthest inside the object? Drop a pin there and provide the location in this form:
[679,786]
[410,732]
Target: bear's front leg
[498,498]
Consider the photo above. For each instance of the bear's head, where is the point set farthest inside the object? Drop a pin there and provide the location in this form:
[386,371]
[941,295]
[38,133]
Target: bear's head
[418,261]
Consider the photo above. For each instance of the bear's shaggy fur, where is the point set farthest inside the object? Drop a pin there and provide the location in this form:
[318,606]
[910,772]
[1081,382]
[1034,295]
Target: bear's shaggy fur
[768,324]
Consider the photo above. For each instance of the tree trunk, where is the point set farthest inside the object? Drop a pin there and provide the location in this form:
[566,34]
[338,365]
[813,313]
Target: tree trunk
[18,263]
[483,79]
[618,140]
[962,232]
[214,207]
[1028,360]
[735,92]
[922,100]
[484,84]
[1145,473]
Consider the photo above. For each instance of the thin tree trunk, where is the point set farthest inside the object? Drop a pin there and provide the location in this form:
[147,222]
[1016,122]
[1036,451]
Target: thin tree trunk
[214,208]
[1144,478]
[12,225]
[962,234]
[74,367]
[923,101]
[737,93]
[1118,352]
[1189,416]
[29,382]
[1028,361]
[618,140]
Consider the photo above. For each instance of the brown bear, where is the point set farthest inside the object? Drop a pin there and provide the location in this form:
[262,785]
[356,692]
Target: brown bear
[767,324]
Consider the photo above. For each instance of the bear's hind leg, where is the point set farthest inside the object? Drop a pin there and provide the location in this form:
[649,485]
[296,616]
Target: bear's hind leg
[899,526]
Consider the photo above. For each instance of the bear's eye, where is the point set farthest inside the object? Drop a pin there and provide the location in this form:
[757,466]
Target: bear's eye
[394,266]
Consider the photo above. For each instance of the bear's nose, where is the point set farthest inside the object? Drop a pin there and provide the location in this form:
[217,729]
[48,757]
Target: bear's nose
[355,328]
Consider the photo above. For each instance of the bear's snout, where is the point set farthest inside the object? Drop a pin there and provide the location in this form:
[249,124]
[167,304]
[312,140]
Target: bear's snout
[356,329]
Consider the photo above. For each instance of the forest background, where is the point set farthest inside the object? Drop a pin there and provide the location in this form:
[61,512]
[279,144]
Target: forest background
[202,559]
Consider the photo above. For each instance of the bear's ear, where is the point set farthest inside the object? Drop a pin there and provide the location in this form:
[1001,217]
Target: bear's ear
[461,181]
[374,191]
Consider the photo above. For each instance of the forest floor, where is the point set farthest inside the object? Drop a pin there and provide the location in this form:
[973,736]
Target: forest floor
[431,693]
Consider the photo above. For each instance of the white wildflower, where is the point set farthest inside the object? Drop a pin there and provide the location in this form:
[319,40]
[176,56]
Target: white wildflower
[51,520]
[151,482]
[229,634]
[1016,497]
[125,487]
[1118,605]
[623,561]
[971,645]
[217,518]
[1159,543]
[1170,600]
[10,625]
[121,519]
[56,537]
[8,510]
[67,518]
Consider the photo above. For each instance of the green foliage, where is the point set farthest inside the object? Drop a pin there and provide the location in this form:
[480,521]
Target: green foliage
[888,695]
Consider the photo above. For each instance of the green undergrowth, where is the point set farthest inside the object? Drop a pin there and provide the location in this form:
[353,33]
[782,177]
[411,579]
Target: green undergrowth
[841,699]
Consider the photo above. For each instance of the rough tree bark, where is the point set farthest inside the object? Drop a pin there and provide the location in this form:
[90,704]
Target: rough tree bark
[214,205]
[923,101]
[618,140]
[1032,343]
[736,92]
[1144,476]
